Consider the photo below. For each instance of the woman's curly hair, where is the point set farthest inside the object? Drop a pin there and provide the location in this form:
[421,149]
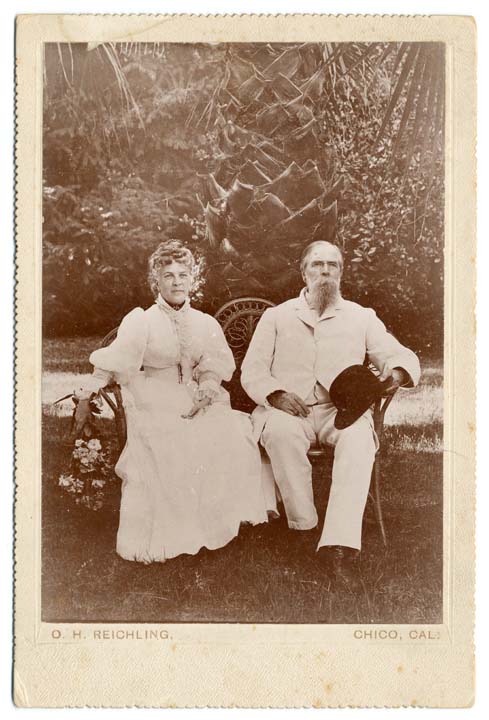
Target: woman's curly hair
[166,253]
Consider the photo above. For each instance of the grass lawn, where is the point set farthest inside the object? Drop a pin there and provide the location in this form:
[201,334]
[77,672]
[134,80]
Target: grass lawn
[269,573]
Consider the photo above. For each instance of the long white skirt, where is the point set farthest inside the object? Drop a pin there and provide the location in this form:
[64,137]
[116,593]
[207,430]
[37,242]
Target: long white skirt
[187,484]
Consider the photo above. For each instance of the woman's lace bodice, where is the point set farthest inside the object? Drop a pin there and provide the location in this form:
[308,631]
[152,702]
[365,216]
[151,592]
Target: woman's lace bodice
[157,338]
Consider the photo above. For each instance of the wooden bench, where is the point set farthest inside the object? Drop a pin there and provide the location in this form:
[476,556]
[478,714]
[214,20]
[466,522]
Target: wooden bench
[238,319]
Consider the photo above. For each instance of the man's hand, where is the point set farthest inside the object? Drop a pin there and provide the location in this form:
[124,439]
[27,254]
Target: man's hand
[198,405]
[397,377]
[289,403]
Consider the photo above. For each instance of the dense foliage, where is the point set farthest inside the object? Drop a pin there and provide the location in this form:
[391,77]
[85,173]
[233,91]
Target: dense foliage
[143,141]
[391,224]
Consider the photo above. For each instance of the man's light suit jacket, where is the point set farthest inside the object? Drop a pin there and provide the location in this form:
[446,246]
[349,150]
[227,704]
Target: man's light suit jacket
[292,349]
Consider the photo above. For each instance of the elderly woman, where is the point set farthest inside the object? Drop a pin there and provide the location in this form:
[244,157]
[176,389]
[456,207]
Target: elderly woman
[190,468]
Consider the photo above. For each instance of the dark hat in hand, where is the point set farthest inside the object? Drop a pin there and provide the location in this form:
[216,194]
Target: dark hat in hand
[353,391]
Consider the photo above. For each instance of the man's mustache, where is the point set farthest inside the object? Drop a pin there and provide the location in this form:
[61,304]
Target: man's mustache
[322,281]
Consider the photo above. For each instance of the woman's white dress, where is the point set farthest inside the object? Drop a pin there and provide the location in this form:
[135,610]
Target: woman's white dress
[187,483]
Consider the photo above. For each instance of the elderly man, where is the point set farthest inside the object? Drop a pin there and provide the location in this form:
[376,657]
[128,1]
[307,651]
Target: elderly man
[297,350]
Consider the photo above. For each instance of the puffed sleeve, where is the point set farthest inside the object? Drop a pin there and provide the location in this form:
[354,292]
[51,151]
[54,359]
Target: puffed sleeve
[217,361]
[382,348]
[124,356]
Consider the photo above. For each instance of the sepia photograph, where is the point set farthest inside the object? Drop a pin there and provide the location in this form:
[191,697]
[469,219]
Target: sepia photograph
[243,332]
[245,361]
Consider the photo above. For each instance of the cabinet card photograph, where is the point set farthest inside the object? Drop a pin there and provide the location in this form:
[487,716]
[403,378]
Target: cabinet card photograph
[245,361]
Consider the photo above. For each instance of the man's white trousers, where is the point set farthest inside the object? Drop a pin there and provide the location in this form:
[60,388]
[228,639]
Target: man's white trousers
[287,439]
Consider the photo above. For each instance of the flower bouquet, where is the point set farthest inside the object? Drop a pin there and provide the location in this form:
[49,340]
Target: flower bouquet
[90,471]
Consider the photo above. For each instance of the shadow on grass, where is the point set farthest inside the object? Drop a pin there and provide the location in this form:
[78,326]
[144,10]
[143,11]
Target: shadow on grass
[268,574]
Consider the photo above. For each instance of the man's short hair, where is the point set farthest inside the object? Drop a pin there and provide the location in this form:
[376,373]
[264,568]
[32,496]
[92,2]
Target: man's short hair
[309,248]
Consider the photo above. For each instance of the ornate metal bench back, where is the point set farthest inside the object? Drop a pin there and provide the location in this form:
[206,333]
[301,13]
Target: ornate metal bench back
[110,337]
[238,319]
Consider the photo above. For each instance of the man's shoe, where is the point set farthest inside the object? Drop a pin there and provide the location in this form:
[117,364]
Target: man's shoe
[343,563]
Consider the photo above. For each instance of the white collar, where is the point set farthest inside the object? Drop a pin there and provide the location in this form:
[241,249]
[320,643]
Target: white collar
[164,305]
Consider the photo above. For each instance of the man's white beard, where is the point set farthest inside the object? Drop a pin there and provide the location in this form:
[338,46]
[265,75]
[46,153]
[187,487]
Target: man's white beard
[324,293]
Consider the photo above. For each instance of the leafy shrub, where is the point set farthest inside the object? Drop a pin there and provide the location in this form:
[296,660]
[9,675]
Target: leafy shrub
[127,133]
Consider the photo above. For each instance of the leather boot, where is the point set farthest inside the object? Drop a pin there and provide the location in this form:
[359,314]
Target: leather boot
[343,563]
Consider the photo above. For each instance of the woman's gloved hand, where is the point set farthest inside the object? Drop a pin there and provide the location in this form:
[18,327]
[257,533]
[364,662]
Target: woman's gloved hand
[199,404]
[206,393]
